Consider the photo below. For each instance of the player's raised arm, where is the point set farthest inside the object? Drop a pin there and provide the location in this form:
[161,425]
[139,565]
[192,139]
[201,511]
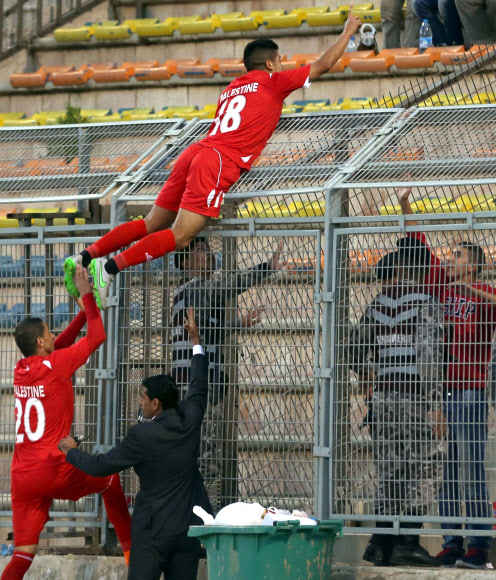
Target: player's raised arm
[326,61]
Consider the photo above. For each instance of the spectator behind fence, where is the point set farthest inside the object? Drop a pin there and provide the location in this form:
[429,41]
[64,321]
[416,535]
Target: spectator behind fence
[478,20]
[391,17]
[163,451]
[401,336]
[470,316]
[444,20]
[209,294]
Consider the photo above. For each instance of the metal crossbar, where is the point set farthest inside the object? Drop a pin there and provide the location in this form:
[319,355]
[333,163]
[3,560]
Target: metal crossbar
[75,162]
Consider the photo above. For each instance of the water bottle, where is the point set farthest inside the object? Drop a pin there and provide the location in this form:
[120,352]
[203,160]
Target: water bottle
[425,37]
[10,549]
[6,550]
[351,45]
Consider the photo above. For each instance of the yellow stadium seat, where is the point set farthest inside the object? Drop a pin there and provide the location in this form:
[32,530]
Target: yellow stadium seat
[145,117]
[165,28]
[180,111]
[354,103]
[123,30]
[183,23]
[261,209]
[291,110]
[199,27]
[11,116]
[211,110]
[81,34]
[307,209]
[368,16]
[345,8]
[20,123]
[251,22]
[105,118]
[127,114]
[95,112]
[294,19]
[485,98]
[334,18]
[192,115]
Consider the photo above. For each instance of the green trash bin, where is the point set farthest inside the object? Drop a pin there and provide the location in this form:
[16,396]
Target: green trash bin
[285,551]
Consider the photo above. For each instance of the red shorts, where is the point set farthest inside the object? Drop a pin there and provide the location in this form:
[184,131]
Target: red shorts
[33,492]
[199,180]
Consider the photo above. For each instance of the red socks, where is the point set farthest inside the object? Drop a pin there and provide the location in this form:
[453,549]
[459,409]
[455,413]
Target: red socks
[18,566]
[149,248]
[118,512]
[118,238]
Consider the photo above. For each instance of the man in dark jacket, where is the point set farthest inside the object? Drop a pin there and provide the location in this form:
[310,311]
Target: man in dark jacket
[164,452]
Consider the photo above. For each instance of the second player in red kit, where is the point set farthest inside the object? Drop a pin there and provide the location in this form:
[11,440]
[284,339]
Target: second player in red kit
[44,410]
[246,117]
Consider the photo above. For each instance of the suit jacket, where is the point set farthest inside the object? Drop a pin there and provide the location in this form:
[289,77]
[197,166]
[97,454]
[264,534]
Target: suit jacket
[164,454]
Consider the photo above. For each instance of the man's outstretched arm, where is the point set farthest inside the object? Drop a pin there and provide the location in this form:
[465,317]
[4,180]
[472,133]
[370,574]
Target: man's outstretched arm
[327,60]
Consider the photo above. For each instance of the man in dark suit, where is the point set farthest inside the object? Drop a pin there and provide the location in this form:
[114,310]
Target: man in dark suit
[164,453]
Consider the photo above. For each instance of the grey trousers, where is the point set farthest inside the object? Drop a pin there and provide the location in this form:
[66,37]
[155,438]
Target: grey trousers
[478,19]
[391,12]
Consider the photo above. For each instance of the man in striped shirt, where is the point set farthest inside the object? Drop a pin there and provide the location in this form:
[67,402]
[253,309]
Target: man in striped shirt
[209,293]
[401,336]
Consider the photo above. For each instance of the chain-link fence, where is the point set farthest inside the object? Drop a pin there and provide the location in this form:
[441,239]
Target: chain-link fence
[288,423]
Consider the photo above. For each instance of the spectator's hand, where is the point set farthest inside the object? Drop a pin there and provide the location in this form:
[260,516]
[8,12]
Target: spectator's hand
[82,282]
[274,263]
[191,328]
[404,193]
[67,443]
[438,422]
[252,317]
[353,23]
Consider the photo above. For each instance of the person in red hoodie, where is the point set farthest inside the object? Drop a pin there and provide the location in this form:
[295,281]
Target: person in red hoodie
[470,316]
[44,411]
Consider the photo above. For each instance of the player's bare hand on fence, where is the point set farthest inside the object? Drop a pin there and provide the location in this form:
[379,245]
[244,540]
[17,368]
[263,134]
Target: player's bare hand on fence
[66,444]
[252,317]
[404,194]
[191,328]
[353,23]
[275,263]
[438,422]
[82,282]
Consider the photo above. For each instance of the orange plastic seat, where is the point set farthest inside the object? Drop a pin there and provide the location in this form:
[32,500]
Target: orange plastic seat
[152,73]
[232,70]
[121,73]
[359,54]
[464,56]
[304,58]
[172,64]
[215,63]
[427,58]
[382,62]
[38,78]
[75,77]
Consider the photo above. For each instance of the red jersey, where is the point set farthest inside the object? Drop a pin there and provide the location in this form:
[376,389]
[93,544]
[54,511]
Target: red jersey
[44,395]
[249,110]
[470,322]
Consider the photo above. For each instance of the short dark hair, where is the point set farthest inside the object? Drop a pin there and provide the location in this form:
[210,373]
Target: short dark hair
[477,255]
[386,266]
[414,258]
[163,388]
[257,52]
[181,255]
[27,333]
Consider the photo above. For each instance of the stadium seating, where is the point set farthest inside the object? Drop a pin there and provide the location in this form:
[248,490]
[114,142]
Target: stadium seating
[427,58]
[113,31]
[81,34]
[38,78]
[381,62]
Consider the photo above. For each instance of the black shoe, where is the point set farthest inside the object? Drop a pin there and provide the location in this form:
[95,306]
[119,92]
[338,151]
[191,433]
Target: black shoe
[448,557]
[475,559]
[378,550]
[410,555]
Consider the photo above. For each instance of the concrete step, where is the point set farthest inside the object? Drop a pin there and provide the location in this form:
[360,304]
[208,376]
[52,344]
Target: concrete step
[370,573]
[109,568]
